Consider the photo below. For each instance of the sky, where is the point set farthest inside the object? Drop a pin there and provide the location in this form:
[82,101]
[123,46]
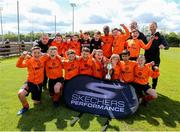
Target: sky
[39,15]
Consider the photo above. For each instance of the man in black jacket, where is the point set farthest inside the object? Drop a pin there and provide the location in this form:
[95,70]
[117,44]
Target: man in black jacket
[153,53]
[44,44]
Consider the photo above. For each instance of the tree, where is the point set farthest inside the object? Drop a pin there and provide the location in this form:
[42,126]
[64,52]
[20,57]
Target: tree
[173,39]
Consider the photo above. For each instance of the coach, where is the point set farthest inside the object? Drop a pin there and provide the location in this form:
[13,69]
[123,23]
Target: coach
[153,53]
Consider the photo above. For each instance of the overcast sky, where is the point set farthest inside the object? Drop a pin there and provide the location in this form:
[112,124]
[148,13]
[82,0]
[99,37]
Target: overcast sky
[38,15]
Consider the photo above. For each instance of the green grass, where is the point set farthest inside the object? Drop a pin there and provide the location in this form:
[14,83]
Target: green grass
[161,114]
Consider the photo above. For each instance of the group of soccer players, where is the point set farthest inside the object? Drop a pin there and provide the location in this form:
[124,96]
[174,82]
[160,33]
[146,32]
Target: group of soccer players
[61,59]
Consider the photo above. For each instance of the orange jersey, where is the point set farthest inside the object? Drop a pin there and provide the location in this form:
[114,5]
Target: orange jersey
[119,42]
[134,46]
[98,69]
[116,72]
[35,68]
[142,74]
[107,46]
[71,68]
[60,46]
[65,48]
[76,46]
[127,71]
[85,67]
[54,68]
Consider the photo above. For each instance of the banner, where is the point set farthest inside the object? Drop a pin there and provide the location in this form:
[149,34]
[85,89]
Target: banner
[101,97]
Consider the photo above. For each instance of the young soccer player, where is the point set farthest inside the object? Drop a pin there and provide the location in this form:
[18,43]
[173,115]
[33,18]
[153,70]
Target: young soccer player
[127,68]
[44,44]
[99,62]
[81,35]
[141,79]
[116,66]
[58,43]
[134,25]
[54,73]
[120,39]
[66,42]
[35,67]
[85,41]
[75,44]
[71,65]
[85,62]
[134,45]
[107,40]
[96,42]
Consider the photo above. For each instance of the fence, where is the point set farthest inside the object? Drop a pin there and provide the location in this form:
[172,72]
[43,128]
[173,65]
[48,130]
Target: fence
[13,49]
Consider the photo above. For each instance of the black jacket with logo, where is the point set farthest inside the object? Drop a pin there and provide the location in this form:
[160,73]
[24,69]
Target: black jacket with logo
[153,53]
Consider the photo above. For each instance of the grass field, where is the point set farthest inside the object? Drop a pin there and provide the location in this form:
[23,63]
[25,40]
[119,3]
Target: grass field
[162,114]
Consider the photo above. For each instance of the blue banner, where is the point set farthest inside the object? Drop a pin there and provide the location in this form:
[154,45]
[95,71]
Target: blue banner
[101,97]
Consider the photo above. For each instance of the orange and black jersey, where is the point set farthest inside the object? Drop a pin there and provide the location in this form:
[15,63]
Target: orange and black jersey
[85,66]
[71,68]
[95,44]
[35,68]
[116,72]
[134,46]
[85,43]
[54,68]
[107,45]
[61,47]
[127,71]
[142,74]
[98,69]
[119,42]
[76,46]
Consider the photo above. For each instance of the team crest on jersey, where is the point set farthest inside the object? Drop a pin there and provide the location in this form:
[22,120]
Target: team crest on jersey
[85,65]
[72,65]
[126,68]
[53,64]
[156,37]
[39,64]
[140,73]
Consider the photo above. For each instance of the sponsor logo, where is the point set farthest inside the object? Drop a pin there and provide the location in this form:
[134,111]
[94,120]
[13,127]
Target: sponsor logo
[99,97]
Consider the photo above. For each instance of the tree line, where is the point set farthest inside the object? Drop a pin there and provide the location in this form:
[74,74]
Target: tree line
[172,37]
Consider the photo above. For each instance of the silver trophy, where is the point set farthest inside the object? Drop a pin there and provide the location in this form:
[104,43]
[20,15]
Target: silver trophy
[108,75]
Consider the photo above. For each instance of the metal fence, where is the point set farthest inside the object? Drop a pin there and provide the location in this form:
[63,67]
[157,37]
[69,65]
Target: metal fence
[13,49]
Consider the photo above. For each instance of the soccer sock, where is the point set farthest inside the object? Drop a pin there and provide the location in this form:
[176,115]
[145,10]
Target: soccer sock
[25,104]
[56,97]
[148,98]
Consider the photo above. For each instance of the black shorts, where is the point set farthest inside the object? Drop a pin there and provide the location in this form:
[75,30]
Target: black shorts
[52,82]
[141,89]
[34,89]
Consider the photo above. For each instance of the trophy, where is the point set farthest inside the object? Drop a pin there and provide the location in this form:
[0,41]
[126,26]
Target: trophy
[108,75]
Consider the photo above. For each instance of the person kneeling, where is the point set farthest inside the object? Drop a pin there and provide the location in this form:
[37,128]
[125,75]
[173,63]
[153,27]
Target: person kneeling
[54,73]
[142,73]
[35,67]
